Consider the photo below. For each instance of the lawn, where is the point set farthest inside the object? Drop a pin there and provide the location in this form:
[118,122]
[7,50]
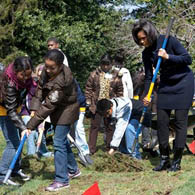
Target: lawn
[117,175]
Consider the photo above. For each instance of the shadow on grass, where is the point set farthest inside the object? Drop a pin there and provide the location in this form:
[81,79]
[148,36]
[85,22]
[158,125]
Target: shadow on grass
[39,167]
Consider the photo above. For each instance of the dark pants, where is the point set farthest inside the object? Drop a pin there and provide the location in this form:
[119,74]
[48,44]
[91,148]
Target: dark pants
[181,119]
[93,134]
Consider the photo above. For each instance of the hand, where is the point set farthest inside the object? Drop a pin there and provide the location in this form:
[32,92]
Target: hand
[111,151]
[112,121]
[162,53]
[146,101]
[40,130]
[26,131]
[32,113]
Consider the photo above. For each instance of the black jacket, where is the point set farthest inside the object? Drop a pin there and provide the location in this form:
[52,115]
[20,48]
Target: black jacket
[176,85]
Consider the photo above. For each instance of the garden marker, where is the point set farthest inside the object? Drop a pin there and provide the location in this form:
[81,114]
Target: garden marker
[93,190]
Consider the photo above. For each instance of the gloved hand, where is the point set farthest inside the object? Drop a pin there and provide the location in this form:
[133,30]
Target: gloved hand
[88,113]
[112,121]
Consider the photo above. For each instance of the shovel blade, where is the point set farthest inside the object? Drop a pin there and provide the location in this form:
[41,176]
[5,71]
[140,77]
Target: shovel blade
[82,159]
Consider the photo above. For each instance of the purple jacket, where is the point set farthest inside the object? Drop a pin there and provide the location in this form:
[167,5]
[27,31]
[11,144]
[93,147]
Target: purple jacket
[26,105]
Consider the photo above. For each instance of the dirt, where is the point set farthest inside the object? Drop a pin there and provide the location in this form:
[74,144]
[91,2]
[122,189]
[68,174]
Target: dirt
[117,163]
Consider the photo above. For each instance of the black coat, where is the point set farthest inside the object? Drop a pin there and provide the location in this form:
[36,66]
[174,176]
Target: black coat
[176,87]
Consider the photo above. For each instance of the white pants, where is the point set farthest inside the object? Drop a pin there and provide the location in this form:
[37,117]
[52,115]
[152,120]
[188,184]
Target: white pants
[80,137]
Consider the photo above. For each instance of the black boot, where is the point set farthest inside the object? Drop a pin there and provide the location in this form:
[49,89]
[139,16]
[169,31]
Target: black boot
[164,160]
[175,165]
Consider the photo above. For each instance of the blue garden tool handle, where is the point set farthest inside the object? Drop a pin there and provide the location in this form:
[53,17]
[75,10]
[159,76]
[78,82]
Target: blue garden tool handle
[160,58]
[18,152]
[153,82]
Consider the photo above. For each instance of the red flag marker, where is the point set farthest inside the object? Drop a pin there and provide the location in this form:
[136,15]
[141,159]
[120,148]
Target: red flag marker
[93,190]
[192,147]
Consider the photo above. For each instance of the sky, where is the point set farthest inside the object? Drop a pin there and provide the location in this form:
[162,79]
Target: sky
[129,7]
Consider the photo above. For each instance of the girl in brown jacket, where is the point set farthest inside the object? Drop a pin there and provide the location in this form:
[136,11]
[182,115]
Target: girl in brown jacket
[57,90]
[104,82]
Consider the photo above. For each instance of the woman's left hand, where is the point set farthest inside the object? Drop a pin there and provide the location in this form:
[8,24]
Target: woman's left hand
[146,102]
[162,53]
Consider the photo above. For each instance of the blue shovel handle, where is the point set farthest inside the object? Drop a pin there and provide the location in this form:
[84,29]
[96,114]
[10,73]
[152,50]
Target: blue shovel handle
[18,152]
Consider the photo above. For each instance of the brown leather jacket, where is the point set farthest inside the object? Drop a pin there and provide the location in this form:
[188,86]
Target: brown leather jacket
[92,88]
[11,103]
[56,98]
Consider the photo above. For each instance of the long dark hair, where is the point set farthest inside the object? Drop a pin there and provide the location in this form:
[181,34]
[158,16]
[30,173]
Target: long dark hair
[148,28]
[22,63]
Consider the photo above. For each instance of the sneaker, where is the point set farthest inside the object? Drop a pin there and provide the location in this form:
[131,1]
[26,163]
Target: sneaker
[22,175]
[10,182]
[55,186]
[47,154]
[88,159]
[74,175]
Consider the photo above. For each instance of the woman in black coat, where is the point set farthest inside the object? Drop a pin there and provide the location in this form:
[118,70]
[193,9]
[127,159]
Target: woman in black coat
[175,90]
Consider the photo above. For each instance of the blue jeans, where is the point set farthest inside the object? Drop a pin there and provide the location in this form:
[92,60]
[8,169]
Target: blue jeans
[128,140]
[31,146]
[12,138]
[80,137]
[63,156]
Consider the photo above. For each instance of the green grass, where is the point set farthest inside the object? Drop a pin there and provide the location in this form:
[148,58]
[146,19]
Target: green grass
[115,176]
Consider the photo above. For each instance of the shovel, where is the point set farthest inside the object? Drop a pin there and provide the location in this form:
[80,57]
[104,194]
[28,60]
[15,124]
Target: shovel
[81,155]
[39,140]
[18,152]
